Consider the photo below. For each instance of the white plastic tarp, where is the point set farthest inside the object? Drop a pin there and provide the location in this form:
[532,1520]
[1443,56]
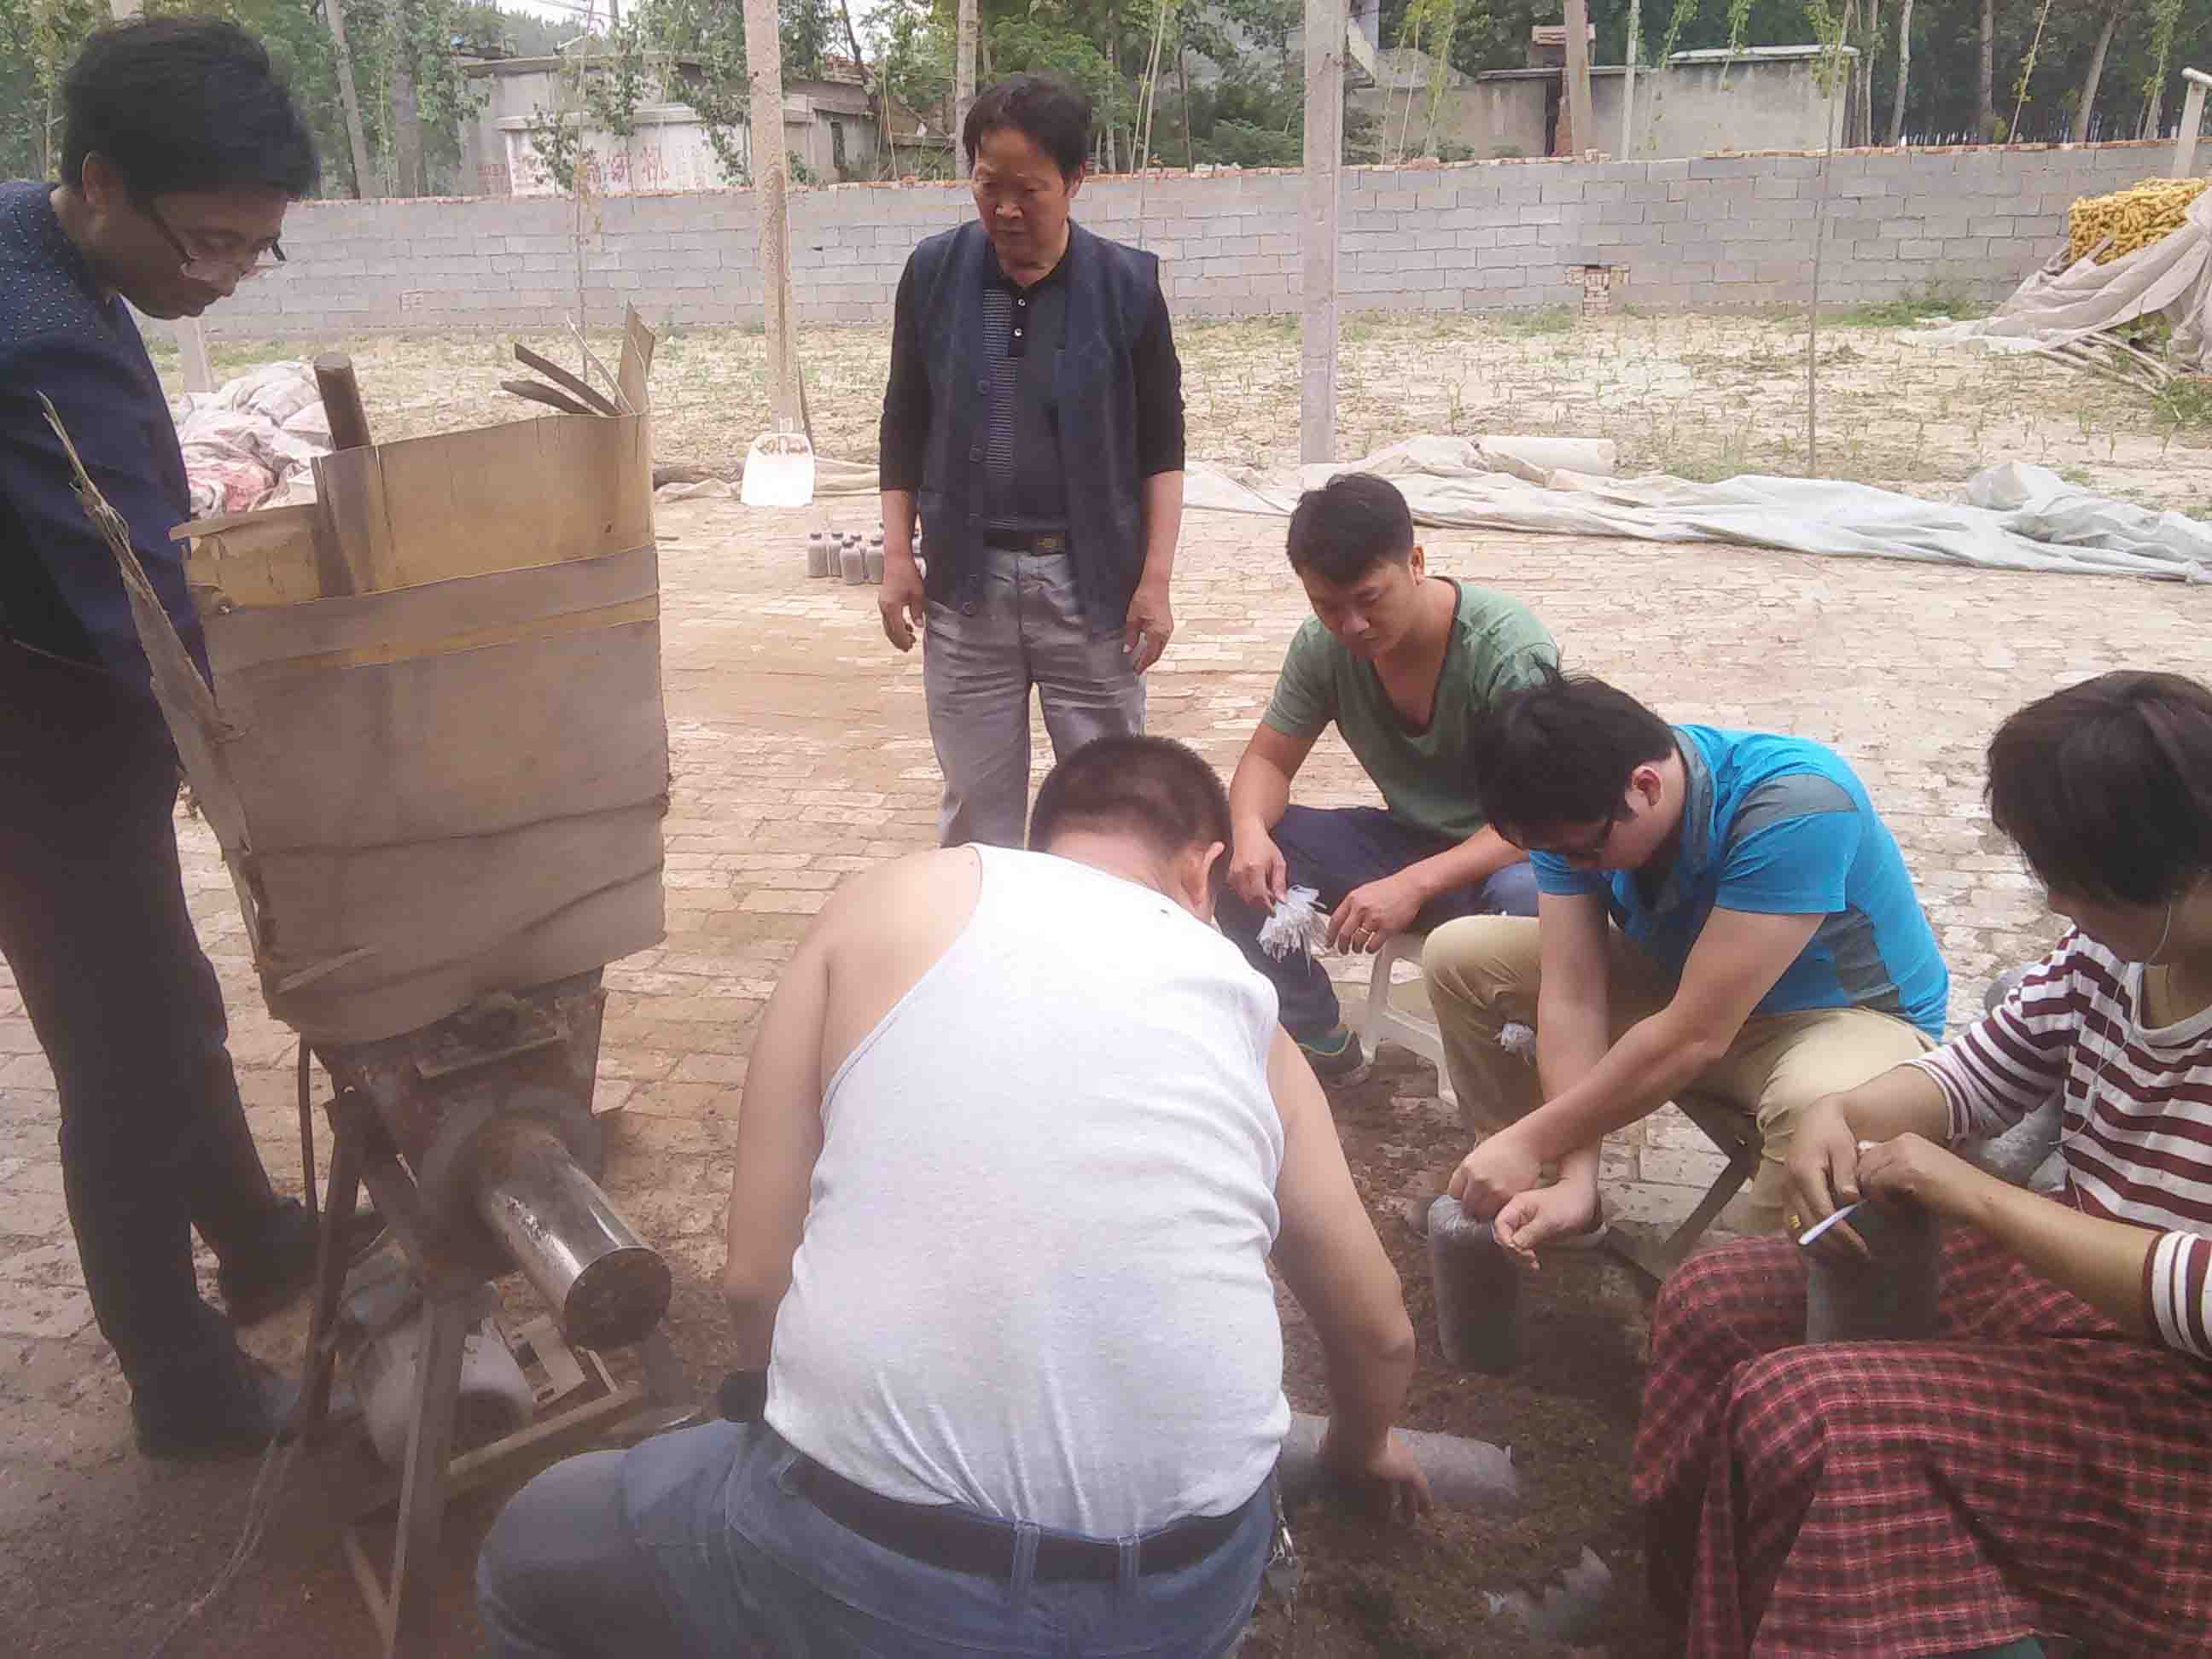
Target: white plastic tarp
[2019,518]
[2061,303]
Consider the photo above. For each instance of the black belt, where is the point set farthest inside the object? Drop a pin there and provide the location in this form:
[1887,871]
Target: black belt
[1043,542]
[960,1541]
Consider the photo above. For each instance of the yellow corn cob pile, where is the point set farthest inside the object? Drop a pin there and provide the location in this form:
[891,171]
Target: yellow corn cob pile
[2132,218]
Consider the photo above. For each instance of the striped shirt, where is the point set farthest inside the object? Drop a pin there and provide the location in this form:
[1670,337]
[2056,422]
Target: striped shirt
[2137,1113]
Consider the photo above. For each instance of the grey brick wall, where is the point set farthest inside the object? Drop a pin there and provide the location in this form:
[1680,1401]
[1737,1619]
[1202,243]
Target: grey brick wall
[1717,232]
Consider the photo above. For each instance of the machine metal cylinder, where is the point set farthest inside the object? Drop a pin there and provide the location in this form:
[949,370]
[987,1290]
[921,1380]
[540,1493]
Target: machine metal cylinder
[606,1286]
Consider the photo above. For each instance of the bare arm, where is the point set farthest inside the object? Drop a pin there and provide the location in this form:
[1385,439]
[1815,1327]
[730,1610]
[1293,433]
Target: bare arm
[1372,911]
[1737,960]
[899,525]
[779,1139]
[2100,1262]
[1257,795]
[899,601]
[1477,859]
[874,938]
[1150,622]
[1329,1257]
[1574,1023]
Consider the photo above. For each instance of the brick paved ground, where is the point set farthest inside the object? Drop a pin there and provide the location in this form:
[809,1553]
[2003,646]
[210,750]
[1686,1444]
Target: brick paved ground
[800,754]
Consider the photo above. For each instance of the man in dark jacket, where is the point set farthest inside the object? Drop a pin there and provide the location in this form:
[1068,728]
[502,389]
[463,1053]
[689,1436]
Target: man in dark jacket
[180,151]
[1034,418]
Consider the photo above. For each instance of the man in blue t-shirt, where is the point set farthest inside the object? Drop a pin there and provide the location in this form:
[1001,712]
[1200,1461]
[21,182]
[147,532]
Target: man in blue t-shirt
[1717,910]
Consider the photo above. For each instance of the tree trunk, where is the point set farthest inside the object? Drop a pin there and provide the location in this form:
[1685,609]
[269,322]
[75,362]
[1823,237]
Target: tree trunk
[1318,221]
[1182,74]
[1583,136]
[1985,86]
[1871,35]
[1904,63]
[964,81]
[1635,48]
[364,180]
[406,119]
[764,102]
[2087,107]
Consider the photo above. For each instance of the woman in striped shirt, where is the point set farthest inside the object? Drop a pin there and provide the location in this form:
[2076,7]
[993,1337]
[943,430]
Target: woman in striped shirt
[2044,1463]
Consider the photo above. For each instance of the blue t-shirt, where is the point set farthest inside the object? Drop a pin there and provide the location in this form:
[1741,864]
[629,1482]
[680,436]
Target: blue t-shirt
[1781,826]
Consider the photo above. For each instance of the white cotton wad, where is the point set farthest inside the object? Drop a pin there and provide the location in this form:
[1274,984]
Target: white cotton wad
[1518,1039]
[1296,923]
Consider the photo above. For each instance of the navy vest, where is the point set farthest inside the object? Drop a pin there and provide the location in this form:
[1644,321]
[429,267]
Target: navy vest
[1094,397]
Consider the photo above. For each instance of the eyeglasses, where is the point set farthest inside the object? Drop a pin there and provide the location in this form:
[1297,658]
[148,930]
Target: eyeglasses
[218,267]
[1585,852]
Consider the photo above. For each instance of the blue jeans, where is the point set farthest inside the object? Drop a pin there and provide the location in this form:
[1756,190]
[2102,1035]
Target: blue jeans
[699,1543]
[1333,850]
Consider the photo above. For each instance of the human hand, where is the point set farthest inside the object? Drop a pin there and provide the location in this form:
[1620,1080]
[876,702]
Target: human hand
[1493,1174]
[1543,1213]
[900,599]
[1823,1175]
[1149,626]
[1258,873]
[1912,1166]
[1384,1476]
[1368,914]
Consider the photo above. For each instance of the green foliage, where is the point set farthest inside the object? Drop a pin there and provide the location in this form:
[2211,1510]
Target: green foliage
[2184,405]
[1524,325]
[712,34]
[2166,18]
[37,37]
[1908,309]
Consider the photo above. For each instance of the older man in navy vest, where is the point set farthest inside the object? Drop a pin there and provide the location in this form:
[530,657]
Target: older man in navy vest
[1034,420]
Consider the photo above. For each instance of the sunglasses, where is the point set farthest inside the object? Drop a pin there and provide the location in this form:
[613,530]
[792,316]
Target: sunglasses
[217,267]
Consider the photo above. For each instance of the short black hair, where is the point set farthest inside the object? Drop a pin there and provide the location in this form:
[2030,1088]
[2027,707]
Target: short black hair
[2107,787]
[1053,114]
[1560,751]
[181,104]
[1155,788]
[1349,525]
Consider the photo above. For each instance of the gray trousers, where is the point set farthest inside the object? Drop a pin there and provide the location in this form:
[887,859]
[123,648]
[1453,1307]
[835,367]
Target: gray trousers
[979,661]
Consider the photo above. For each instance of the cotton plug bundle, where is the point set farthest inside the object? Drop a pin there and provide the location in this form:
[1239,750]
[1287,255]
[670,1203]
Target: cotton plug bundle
[1296,923]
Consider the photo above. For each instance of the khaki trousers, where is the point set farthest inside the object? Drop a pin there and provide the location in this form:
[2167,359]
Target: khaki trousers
[1483,973]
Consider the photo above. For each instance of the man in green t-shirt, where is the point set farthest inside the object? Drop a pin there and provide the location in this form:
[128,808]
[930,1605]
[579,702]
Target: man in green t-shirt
[1407,665]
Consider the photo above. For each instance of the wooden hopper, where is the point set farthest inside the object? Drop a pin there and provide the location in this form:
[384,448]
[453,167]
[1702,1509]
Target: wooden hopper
[435,755]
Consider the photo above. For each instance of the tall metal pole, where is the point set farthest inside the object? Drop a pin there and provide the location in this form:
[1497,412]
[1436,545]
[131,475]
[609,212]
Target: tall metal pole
[1324,153]
[764,102]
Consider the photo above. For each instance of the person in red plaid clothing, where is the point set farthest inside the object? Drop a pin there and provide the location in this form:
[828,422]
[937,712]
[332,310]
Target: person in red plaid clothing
[2044,1466]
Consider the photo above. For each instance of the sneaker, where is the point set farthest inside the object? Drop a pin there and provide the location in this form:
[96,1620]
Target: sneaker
[233,1407]
[1337,1058]
[274,1277]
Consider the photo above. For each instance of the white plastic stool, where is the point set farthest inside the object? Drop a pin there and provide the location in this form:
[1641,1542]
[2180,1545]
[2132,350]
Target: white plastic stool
[1383,1018]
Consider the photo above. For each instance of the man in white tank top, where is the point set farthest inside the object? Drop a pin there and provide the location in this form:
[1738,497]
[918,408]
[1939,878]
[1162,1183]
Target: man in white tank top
[1020,1135]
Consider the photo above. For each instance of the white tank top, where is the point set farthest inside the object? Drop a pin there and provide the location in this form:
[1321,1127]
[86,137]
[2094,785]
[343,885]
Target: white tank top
[1033,1278]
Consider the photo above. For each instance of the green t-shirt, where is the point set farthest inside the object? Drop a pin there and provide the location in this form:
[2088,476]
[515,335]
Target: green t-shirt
[1496,644]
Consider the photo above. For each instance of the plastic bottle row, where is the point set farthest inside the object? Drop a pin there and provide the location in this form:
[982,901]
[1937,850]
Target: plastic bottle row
[846,553]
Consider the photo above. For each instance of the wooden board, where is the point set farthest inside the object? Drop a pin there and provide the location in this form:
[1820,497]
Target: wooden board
[527,493]
[251,559]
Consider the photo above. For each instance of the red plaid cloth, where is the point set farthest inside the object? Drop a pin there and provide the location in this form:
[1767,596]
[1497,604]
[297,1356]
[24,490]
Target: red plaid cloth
[2035,1471]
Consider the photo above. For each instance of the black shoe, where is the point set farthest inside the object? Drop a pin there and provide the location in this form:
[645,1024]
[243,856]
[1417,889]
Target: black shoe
[284,1270]
[233,1407]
